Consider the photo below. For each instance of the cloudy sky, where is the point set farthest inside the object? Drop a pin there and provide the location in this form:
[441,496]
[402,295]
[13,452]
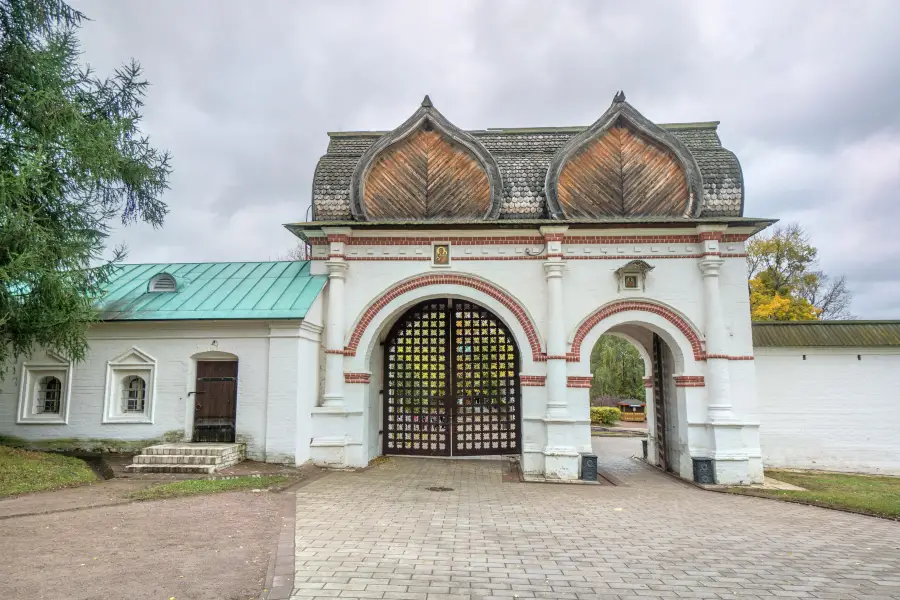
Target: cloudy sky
[243,94]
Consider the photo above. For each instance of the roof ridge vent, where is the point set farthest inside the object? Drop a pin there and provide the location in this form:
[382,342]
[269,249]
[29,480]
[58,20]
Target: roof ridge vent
[163,282]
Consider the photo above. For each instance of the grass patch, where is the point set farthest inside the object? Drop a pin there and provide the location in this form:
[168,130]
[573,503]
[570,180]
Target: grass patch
[867,494]
[193,487]
[24,471]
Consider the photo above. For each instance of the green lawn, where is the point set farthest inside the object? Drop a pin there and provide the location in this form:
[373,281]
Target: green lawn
[23,471]
[862,493]
[192,487]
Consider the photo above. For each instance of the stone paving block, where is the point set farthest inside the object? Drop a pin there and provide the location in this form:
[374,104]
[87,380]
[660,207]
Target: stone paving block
[381,533]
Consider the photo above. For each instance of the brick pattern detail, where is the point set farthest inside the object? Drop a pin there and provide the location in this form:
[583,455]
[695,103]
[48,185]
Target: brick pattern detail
[648,382]
[659,256]
[356,377]
[577,381]
[689,381]
[727,357]
[341,352]
[446,279]
[617,307]
[338,238]
[711,235]
[523,239]
[735,237]
[533,380]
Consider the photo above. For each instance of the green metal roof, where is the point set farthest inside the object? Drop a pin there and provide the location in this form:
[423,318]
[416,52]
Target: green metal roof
[252,290]
[810,334]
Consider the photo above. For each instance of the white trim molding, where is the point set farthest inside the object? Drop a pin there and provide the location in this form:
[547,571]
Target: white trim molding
[127,366]
[33,372]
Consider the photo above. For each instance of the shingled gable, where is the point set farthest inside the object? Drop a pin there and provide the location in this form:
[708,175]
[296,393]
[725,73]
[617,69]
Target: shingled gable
[426,168]
[623,165]
[523,158]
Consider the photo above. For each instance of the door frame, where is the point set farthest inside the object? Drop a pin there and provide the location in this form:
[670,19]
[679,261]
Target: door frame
[192,396]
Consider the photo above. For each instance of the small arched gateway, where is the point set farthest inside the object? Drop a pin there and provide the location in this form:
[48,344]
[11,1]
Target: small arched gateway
[451,382]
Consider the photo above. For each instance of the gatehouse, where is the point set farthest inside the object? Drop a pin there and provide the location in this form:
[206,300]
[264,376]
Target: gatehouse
[456,284]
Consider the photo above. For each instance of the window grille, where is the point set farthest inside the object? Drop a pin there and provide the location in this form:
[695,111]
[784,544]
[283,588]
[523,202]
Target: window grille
[49,395]
[134,392]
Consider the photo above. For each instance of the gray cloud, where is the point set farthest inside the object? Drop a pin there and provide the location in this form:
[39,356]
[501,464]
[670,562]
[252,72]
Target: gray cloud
[244,93]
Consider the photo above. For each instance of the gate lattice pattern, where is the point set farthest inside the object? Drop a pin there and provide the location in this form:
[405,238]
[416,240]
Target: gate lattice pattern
[451,382]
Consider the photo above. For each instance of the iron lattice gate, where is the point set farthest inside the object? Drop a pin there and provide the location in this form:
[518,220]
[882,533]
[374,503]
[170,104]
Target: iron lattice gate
[660,379]
[451,382]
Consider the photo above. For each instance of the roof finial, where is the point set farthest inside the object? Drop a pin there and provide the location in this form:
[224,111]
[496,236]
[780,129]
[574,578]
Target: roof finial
[619,98]
[426,102]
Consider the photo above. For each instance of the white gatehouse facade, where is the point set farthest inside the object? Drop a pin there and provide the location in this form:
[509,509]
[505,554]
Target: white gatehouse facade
[457,283]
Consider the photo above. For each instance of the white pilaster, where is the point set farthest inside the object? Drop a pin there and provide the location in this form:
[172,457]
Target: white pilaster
[718,379]
[334,332]
[560,455]
[728,450]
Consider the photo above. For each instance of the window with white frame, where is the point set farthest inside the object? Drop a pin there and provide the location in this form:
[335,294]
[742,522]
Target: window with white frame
[130,378]
[44,390]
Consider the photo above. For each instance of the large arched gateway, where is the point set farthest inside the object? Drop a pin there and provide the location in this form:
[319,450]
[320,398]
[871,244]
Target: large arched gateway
[451,382]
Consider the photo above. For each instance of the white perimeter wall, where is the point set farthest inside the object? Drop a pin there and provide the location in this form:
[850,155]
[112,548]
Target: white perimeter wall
[832,411]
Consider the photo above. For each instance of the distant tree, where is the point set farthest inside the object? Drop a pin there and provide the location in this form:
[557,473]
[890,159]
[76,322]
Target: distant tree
[302,251]
[784,283]
[72,158]
[618,369]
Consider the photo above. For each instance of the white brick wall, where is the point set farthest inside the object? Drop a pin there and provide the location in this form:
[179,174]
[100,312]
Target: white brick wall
[831,411]
[173,344]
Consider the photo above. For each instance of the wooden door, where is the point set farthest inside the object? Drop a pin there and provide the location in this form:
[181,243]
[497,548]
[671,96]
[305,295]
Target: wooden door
[215,401]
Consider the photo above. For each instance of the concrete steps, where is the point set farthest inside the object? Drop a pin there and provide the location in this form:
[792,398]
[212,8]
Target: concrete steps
[200,458]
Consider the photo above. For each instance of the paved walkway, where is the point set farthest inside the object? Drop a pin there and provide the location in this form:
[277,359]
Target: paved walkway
[381,534]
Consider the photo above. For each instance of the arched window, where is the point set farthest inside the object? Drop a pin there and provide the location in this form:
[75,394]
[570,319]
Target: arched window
[134,392]
[49,394]
[163,283]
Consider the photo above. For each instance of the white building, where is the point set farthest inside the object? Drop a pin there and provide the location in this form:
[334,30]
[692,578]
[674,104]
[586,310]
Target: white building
[469,274]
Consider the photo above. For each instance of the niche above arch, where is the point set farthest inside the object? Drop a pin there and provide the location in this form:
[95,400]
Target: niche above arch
[624,166]
[426,169]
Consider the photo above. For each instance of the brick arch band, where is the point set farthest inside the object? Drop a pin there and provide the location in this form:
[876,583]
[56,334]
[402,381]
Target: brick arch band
[626,305]
[425,280]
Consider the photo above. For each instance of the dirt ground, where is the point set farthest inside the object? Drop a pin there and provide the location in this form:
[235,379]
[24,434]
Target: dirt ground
[196,548]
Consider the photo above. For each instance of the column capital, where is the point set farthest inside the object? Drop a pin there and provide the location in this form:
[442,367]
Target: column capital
[711,265]
[554,268]
[337,269]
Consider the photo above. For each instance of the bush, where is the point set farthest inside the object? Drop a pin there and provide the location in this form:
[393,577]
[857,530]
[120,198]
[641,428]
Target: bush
[605,415]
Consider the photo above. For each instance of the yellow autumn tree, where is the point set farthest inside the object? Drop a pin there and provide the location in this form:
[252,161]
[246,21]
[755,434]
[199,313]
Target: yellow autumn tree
[785,284]
[767,305]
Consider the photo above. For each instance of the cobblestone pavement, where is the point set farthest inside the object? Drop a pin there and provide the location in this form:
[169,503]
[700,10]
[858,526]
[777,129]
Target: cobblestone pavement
[381,534]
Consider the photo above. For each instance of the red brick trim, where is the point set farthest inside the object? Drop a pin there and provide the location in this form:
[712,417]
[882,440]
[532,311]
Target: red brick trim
[711,235]
[338,237]
[341,352]
[689,381]
[546,357]
[533,380]
[727,357]
[524,239]
[356,377]
[648,382]
[539,257]
[640,305]
[554,237]
[446,279]
[735,237]
[577,381]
